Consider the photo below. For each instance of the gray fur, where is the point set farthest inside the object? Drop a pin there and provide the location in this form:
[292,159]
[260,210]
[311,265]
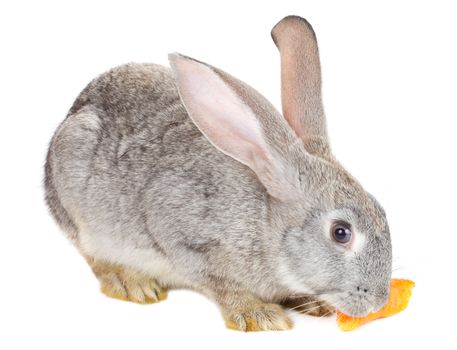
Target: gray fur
[128,168]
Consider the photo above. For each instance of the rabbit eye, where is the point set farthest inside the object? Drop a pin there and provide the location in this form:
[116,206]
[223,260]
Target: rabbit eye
[341,232]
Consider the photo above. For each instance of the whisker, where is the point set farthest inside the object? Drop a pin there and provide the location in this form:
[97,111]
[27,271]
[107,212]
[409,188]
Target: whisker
[311,309]
[304,304]
[326,314]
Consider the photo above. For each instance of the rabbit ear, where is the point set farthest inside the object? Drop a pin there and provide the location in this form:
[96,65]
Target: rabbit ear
[301,82]
[217,108]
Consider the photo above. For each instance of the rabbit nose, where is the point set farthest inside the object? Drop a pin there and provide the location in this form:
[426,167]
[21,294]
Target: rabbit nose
[362,289]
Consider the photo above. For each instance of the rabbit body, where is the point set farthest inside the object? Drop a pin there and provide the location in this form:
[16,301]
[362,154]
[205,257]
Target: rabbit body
[189,178]
[144,188]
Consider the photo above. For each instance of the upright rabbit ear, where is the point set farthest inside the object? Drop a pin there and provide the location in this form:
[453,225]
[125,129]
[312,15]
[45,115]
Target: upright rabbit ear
[219,105]
[301,82]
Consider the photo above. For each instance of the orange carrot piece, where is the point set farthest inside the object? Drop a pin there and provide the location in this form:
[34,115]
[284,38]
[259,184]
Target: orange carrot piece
[400,292]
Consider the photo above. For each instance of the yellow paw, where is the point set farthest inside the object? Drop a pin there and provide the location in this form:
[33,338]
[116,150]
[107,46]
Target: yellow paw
[126,284]
[266,317]
[141,291]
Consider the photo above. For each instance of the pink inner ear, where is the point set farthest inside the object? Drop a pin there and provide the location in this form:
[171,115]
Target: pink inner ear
[218,112]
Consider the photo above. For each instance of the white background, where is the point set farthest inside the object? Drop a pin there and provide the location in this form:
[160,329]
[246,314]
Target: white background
[390,83]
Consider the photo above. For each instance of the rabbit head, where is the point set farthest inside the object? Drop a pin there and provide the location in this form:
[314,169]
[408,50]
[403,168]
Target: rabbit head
[330,236]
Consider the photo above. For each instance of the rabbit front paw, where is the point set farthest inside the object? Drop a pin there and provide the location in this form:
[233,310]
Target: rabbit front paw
[263,317]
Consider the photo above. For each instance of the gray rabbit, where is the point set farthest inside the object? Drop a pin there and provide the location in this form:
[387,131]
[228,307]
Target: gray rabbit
[189,178]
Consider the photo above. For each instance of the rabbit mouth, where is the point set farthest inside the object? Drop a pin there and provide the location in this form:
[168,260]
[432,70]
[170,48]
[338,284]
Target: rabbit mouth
[350,305]
[354,309]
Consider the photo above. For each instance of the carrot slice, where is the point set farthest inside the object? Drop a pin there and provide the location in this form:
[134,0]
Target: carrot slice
[400,293]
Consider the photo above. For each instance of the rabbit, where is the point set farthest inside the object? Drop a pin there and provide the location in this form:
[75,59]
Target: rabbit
[186,177]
